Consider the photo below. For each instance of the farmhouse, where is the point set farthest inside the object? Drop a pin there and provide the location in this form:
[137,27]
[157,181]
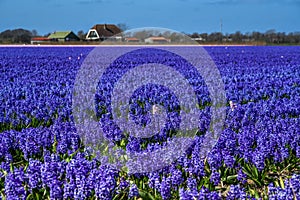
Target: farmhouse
[103,32]
[157,40]
[63,36]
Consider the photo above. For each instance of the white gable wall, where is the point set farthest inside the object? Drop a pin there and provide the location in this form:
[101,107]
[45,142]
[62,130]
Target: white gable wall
[92,35]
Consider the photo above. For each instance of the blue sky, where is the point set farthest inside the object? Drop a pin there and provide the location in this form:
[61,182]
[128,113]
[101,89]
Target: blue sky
[181,15]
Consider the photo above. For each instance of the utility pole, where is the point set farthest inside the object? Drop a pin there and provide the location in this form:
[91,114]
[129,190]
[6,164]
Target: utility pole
[221,25]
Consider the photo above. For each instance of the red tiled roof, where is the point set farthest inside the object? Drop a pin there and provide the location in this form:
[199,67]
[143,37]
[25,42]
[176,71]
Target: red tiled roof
[40,39]
[132,39]
[157,38]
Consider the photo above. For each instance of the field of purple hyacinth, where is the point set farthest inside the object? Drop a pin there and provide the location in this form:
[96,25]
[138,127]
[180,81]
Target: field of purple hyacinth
[257,155]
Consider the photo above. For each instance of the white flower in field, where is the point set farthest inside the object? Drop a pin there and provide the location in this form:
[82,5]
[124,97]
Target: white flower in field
[232,105]
[156,109]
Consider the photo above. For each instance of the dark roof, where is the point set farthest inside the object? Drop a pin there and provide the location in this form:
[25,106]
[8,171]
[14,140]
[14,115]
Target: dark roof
[107,30]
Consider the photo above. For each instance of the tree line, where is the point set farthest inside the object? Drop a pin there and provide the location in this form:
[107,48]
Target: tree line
[22,36]
[269,37]
[17,36]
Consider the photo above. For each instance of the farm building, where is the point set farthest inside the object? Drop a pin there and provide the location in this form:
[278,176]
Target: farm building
[198,39]
[157,40]
[63,36]
[103,32]
[132,39]
[39,40]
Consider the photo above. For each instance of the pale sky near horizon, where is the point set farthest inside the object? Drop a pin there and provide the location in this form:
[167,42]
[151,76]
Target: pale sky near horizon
[187,16]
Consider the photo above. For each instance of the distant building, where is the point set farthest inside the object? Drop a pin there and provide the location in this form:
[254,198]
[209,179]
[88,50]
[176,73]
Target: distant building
[249,40]
[157,40]
[63,36]
[103,32]
[200,39]
[132,39]
[227,39]
[39,40]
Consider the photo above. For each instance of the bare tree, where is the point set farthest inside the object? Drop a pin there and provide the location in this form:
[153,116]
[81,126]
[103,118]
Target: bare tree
[123,26]
[143,34]
[34,33]
[46,35]
[81,34]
